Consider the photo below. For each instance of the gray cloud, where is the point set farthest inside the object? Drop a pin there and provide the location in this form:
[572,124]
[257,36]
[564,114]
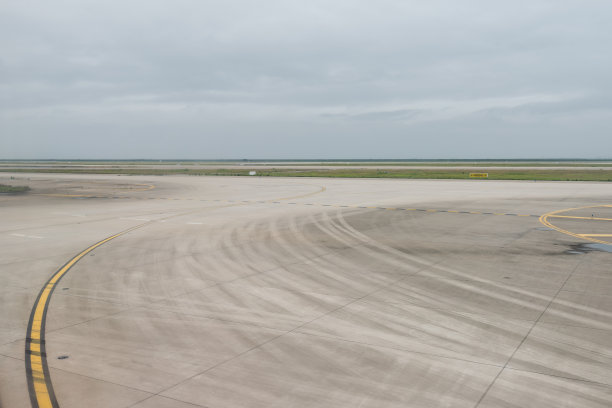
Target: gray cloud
[227,79]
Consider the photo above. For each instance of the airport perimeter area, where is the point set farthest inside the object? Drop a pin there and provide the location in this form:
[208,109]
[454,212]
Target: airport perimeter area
[227,292]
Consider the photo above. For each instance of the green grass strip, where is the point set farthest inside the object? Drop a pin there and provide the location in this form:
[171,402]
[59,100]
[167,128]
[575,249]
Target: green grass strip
[496,174]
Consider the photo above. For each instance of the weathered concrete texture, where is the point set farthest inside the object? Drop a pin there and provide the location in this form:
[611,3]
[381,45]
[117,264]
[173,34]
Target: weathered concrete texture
[290,292]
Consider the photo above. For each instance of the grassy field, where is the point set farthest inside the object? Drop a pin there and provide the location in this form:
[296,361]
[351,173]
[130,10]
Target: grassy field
[464,164]
[501,174]
[13,189]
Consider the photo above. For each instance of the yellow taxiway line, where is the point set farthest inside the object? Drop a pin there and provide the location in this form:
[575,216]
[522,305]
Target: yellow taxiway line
[39,381]
[580,218]
[556,214]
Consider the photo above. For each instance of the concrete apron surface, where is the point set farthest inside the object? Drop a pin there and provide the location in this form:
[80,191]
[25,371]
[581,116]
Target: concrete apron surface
[289,292]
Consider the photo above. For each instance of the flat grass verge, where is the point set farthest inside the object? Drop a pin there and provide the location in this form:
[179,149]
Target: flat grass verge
[501,174]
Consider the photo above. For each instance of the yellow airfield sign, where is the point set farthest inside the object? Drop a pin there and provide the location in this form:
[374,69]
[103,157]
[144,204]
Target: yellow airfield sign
[479,175]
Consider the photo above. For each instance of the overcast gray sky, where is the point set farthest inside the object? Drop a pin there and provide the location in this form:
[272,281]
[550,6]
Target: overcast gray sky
[305,79]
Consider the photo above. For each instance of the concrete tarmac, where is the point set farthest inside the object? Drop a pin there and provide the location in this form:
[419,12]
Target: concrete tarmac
[284,292]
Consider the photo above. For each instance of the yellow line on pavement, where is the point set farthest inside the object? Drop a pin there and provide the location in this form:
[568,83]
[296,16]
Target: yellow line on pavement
[555,214]
[581,218]
[39,382]
[277,201]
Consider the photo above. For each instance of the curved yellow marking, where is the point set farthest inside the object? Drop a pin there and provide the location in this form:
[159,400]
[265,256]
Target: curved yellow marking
[581,218]
[554,214]
[39,379]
